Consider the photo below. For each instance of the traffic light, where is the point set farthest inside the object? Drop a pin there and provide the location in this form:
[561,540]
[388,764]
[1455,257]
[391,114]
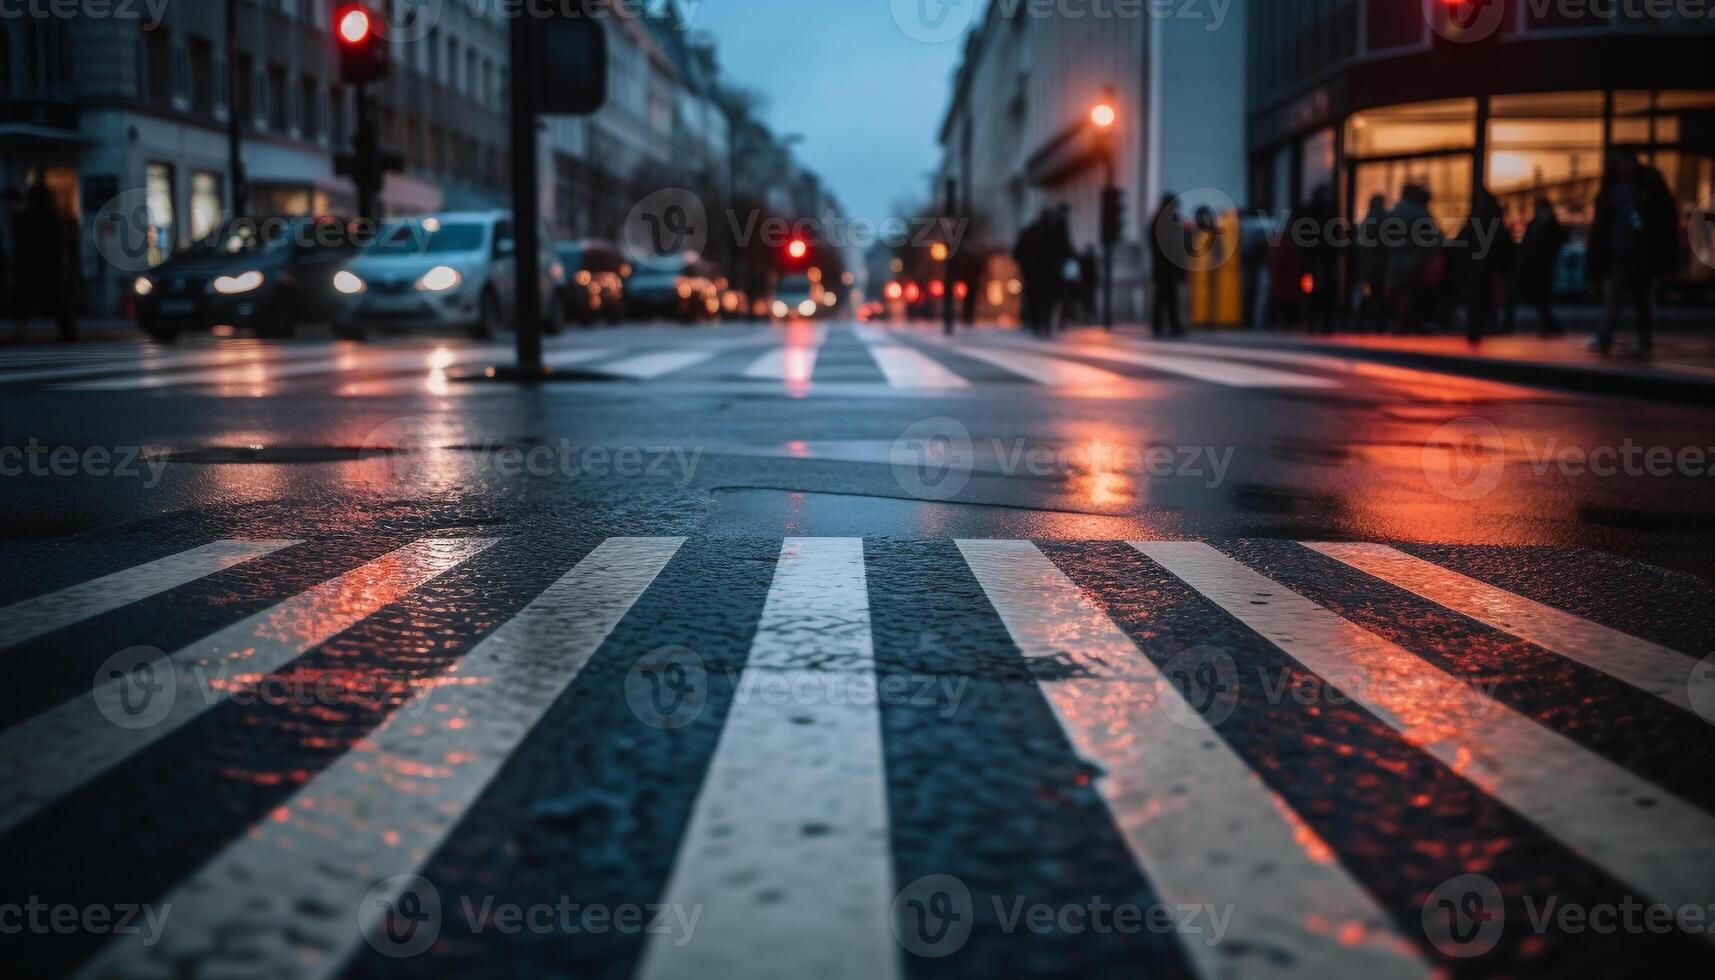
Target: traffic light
[1113,214]
[362,49]
[797,250]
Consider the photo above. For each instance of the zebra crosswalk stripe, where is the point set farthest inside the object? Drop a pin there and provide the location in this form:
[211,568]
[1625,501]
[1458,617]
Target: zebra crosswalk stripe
[1667,674]
[1228,373]
[905,367]
[31,618]
[791,362]
[47,756]
[647,367]
[1203,828]
[242,913]
[810,905]
[1636,831]
[1044,370]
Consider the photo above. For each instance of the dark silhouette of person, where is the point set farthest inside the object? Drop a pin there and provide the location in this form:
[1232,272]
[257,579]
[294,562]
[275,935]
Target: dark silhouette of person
[1634,238]
[1539,257]
[1166,268]
[1088,279]
[1371,260]
[1318,256]
[1041,253]
[39,260]
[1487,259]
[1415,263]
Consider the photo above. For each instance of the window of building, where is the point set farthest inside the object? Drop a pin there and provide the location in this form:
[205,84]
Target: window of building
[1317,164]
[309,108]
[158,199]
[1416,128]
[278,93]
[470,73]
[1546,146]
[245,102]
[157,66]
[336,116]
[1447,178]
[206,203]
[201,54]
[452,79]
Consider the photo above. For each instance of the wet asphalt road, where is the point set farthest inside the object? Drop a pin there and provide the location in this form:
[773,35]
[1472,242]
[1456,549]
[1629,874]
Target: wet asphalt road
[1003,759]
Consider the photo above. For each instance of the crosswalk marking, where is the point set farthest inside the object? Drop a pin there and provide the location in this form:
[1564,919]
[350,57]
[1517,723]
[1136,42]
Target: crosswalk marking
[777,900]
[31,618]
[46,757]
[386,806]
[645,367]
[791,362]
[571,356]
[1045,370]
[146,360]
[264,373]
[1667,674]
[906,367]
[1204,829]
[1228,373]
[1640,833]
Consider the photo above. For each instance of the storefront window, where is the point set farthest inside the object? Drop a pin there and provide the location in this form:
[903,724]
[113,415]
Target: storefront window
[1318,165]
[1447,178]
[158,195]
[1546,146]
[205,204]
[1417,128]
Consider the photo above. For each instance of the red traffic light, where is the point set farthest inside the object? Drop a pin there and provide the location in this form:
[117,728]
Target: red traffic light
[797,248]
[354,25]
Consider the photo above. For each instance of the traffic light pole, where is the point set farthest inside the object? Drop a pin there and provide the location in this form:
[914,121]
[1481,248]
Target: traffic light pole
[947,268]
[525,201]
[366,156]
[1108,250]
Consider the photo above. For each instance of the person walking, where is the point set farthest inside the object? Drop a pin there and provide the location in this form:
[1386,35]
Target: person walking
[1165,269]
[1371,262]
[1486,255]
[1318,257]
[1539,257]
[1634,238]
[1415,262]
[1041,253]
[39,263]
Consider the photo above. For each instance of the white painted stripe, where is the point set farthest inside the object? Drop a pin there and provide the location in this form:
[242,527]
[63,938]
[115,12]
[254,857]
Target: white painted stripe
[1667,674]
[794,362]
[1343,364]
[778,901]
[34,617]
[1643,835]
[153,361]
[906,367]
[386,805]
[870,334]
[55,752]
[570,356]
[644,367]
[1045,370]
[1201,825]
[1220,372]
[260,373]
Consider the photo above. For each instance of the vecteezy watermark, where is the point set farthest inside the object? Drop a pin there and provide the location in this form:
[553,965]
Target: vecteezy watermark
[568,459]
[1464,459]
[36,917]
[934,916]
[1465,21]
[402,916]
[668,688]
[1466,916]
[667,230]
[939,21]
[838,231]
[147,12]
[125,462]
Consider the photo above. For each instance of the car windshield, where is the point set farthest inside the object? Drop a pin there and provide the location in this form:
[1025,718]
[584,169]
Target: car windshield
[428,238]
[795,286]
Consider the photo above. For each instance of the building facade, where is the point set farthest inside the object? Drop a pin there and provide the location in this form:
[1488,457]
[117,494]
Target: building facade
[1523,98]
[1016,137]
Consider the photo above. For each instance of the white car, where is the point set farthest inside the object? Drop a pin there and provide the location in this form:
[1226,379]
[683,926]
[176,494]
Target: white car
[454,270]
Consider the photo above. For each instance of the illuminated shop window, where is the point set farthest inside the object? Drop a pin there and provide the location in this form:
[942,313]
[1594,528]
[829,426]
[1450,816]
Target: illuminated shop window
[1415,128]
[1546,146]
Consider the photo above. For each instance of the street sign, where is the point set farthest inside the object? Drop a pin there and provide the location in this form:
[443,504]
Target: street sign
[571,66]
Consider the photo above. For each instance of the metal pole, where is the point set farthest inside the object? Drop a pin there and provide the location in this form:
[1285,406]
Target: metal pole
[240,189]
[525,194]
[1108,254]
[366,155]
[947,304]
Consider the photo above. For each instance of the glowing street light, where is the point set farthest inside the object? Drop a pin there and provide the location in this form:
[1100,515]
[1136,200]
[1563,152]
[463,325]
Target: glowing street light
[1103,115]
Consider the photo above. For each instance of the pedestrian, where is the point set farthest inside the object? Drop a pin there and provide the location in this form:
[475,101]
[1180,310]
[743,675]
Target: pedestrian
[1041,252]
[1088,279]
[1539,257]
[1371,261]
[1317,257]
[1416,265]
[39,261]
[1167,269]
[1486,256]
[1634,238]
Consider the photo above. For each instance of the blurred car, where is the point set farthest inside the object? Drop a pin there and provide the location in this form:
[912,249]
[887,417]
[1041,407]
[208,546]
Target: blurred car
[795,296]
[455,270]
[265,276]
[687,292]
[595,280]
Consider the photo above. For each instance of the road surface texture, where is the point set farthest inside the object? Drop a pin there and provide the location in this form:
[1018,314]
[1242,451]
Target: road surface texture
[837,650]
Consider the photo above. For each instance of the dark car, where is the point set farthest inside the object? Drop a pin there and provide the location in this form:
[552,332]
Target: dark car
[595,280]
[687,292]
[267,276]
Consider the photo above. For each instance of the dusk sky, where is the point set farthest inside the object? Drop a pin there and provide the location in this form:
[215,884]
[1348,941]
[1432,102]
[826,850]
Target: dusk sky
[866,97]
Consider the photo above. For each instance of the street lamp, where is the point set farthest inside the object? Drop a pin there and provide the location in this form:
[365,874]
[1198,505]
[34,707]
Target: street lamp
[1104,117]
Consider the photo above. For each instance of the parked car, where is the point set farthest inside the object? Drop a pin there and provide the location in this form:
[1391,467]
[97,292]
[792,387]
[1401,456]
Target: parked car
[595,280]
[687,292]
[456,270]
[796,296]
[266,276]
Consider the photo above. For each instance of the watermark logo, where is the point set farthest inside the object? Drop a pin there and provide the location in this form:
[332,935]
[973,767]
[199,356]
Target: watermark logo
[401,442]
[1465,458]
[1189,233]
[126,237]
[1206,678]
[667,230]
[932,458]
[932,917]
[934,21]
[410,20]
[1464,916]
[135,688]
[401,916]
[667,688]
[1701,231]
[1464,21]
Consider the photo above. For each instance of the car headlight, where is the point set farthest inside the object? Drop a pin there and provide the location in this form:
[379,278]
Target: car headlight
[440,279]
[244,282]
[347,282]
[780,309]
[807,308]
[143,286]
